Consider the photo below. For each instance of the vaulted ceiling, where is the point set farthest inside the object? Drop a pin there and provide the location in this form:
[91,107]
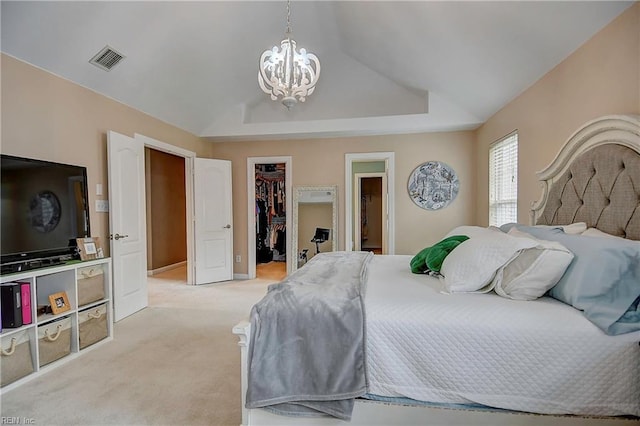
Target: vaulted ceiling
[387,66]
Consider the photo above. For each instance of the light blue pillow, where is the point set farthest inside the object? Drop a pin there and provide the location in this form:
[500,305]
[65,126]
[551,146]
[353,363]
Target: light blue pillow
[603,280]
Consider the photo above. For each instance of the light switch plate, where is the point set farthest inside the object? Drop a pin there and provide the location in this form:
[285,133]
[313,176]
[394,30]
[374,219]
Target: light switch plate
[102,206]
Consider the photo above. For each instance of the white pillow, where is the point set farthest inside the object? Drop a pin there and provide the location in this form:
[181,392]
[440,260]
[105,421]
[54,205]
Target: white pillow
[534,271]
[471,266]
[595,232]
[468,230]
[574,228]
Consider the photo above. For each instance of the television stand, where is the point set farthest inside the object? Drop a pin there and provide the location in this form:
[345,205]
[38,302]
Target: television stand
[47,339]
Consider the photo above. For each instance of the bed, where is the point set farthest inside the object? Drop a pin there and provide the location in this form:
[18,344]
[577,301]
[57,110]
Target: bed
[477,357]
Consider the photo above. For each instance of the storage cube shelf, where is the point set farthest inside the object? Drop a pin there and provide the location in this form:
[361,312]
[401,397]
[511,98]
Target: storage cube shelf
[46,340]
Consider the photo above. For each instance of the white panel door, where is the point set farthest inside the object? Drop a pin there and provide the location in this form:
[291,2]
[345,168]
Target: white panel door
[127,224]
[213,221]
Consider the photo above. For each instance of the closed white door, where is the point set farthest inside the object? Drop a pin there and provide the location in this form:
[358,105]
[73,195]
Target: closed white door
[127,224]
[213,221]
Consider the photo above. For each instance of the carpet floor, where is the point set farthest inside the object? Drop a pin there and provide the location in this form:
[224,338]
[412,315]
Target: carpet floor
[174,363]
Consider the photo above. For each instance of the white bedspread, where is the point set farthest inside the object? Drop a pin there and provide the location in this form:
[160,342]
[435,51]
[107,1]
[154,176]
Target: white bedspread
[539,356]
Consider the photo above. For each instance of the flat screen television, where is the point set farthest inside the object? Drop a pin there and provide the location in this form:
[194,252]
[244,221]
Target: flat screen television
[44,209]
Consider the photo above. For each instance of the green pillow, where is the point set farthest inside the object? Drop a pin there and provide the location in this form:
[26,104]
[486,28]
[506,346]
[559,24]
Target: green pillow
[431,258]
[418,263]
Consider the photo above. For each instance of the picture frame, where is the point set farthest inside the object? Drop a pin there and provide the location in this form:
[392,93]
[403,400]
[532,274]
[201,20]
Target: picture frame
[90,248]
[59,302]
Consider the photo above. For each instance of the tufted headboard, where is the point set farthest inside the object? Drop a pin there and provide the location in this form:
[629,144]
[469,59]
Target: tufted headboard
[595,178]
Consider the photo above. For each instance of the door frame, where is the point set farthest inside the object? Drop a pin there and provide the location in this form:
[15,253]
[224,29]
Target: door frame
[357,213]
[189,157]
[251,209]
[349,193]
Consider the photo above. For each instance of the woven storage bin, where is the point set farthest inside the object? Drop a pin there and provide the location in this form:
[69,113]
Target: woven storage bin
[93,325]
[90,284]
[16,361]
[54,340]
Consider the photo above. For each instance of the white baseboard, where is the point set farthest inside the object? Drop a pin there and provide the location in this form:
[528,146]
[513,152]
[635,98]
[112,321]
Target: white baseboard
[240,276]
[166,268]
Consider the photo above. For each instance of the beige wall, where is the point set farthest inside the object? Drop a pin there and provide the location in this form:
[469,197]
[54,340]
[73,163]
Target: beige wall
[322,162]
[49,118]
[601,77]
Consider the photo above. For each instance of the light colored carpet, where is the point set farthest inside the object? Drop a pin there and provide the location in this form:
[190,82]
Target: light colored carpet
[173,363]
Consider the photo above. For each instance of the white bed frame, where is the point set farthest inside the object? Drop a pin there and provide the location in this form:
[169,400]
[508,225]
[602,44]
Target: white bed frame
[620,129]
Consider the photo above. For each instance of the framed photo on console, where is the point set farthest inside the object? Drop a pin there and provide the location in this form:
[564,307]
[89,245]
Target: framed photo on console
[90,248]
[59,302]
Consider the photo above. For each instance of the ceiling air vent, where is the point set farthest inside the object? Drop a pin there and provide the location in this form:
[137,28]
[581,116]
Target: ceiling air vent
[106,59]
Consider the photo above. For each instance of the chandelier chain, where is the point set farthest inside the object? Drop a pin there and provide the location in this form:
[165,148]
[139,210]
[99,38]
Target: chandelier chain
[288,16]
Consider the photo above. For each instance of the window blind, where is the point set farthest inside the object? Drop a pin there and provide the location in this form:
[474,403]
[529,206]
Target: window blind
[503,181]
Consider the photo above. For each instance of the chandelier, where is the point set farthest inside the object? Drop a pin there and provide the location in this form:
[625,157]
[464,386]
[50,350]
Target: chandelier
[287,74]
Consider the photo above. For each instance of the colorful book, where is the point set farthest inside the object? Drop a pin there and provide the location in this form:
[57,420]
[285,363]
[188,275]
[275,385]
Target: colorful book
[25,295]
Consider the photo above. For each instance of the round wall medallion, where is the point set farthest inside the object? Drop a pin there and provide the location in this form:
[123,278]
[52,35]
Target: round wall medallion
[433,185]
[44,211]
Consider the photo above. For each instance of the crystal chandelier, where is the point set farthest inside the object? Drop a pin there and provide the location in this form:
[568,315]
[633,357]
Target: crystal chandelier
[286,74]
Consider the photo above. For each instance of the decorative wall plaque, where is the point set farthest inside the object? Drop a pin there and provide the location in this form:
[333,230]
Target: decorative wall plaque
[433,185]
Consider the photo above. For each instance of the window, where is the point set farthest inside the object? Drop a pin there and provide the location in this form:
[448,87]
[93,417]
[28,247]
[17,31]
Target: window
[503,181]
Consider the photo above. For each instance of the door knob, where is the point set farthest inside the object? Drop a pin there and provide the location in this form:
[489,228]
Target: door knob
[118,236]
[227,227]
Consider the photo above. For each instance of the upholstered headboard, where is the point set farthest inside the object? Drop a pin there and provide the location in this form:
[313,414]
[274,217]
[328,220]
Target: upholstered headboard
[595,178]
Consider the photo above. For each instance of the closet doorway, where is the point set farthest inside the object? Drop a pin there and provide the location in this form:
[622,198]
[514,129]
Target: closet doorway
[375,164]
[269,217]
[371,202]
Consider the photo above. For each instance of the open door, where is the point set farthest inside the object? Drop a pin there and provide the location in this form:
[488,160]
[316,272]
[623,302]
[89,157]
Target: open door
[127,224]
[213,221]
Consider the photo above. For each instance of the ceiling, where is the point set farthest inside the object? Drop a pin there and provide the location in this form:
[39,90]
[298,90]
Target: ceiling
[387,66]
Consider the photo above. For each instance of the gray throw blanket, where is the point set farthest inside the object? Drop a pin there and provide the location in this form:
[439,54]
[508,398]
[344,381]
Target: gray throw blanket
[307,352]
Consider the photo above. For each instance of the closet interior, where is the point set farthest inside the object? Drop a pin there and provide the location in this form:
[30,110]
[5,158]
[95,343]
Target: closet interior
[270,213]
